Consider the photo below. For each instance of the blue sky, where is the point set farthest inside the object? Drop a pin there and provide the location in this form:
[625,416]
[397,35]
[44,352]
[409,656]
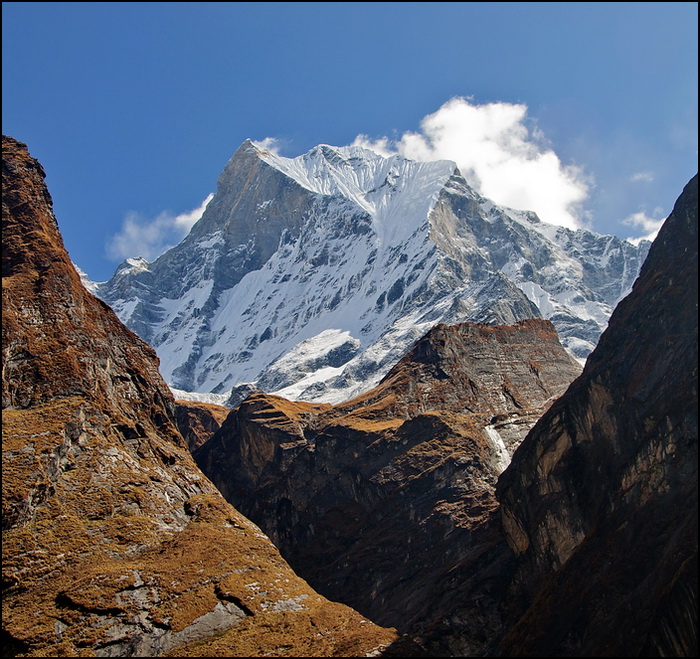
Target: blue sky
[586,110]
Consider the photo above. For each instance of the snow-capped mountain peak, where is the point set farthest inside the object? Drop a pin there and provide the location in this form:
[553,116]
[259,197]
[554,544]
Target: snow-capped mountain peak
[394,191]
[311,276]
[132,266]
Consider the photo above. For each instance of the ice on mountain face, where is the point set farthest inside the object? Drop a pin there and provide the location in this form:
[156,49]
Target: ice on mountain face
[325,354]
[212,399]
[395,192]
[311,276]
[499,452]
[92,286]
[132,266]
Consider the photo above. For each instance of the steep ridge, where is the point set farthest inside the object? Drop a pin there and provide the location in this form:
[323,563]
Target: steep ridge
[114,543]
[387,500]
[511,372]
[587,546]
[600,502]
[310,277]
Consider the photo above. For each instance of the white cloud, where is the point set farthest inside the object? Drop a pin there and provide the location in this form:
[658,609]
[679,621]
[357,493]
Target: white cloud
[499,156]
[649,225]
[140,236]
[382,146]
[270,144]
[188,219]
[646,177]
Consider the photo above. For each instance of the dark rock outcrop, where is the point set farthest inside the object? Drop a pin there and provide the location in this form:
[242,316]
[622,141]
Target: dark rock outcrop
[600,502]
[114,543]
[387,500]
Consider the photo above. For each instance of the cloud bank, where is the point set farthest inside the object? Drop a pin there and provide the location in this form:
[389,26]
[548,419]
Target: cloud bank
[498,155]
[271,144]
[140,236]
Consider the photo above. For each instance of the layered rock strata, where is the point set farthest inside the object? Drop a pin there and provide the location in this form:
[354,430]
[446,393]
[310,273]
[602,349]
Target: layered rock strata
[387,500]
[114,543]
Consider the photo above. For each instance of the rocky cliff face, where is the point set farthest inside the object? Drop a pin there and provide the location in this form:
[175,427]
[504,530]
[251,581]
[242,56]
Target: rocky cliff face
[387,500]
[511,372]
[600,502]
[312,276]
[197,422]
[586,545]
[114,543]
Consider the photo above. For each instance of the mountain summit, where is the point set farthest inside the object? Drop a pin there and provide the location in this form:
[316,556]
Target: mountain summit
[311,276]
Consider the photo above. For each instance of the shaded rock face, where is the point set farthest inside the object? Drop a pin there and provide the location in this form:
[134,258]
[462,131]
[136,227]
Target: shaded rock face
[387,501]
[600,501]
[197,422]
[114,543]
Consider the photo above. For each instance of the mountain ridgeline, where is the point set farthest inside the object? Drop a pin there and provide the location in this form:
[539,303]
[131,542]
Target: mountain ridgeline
[584,544]
[310,277]
[114,543]
[453,472]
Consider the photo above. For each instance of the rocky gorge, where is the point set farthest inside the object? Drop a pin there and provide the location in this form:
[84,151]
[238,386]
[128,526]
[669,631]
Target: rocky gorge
[485,498]
[114,543]
[379,498]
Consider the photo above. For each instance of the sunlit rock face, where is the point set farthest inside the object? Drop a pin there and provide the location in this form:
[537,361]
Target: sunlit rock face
[600,501]
[114,543]
[310,277]
[387,500]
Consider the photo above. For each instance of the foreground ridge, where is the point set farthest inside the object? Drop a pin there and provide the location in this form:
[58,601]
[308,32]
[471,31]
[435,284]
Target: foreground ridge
[114,543]
[617,456]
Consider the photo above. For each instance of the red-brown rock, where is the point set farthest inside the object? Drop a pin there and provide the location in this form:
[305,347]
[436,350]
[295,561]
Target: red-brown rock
[114,543]
[198,421]
[387,501]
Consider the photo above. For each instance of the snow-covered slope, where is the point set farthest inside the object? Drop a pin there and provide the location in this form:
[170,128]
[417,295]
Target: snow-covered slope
[311,276]
[91,286]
